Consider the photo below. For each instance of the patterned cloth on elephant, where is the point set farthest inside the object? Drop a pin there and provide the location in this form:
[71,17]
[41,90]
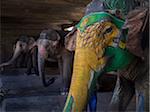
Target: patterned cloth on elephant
[103,5]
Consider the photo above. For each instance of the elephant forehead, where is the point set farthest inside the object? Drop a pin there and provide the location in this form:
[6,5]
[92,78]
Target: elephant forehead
[96,35]
[50,35]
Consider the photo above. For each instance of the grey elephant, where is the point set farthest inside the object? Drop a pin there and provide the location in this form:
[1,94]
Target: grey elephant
[51,47]
[21,48]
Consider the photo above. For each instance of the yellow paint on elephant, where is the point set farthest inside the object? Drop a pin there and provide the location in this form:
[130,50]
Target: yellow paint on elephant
[97,35]
[83,64]
[89,52]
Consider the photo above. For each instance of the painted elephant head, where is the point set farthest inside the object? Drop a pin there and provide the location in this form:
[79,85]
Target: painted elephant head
[48,45]
[95,33]
[22,45]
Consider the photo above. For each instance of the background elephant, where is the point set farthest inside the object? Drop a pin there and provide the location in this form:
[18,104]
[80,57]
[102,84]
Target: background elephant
[70,40]
[51,47]
[21,50]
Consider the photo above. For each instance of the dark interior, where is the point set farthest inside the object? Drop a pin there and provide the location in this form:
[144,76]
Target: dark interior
[30,17]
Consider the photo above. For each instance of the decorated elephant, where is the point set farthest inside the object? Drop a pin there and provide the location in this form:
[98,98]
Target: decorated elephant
[100,48]
[22,48]
[51,47]
[133,80]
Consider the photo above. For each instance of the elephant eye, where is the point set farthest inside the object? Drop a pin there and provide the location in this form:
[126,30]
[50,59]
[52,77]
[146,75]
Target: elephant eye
[108,30]
[20,45]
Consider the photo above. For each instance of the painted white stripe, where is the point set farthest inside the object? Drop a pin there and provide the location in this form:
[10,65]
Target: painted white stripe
[91,78]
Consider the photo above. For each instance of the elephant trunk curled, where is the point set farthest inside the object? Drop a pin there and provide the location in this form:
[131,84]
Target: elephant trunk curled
[16,54]
[42,54]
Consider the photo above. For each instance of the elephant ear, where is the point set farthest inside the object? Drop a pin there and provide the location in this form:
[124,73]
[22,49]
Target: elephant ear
[31,42]
[135,23]
[70,40]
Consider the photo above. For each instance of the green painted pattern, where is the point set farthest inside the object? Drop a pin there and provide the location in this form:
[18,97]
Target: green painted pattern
[69,105]
[124,5]
[97,17]
[121,58]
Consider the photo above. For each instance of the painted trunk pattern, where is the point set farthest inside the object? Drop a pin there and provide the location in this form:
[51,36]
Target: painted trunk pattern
[89,59]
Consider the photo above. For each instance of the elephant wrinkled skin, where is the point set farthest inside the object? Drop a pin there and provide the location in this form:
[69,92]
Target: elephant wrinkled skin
[50,48]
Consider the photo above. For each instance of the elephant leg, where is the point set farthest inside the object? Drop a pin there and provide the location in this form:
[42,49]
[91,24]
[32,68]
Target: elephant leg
[34,60]
[25,61]
[16,62]
[60,66]
[142,94]
[123,93]
[142,86]
[21,60]
[67,69]
[29,65]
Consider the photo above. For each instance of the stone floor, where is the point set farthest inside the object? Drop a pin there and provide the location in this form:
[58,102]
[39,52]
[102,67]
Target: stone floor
[27,94]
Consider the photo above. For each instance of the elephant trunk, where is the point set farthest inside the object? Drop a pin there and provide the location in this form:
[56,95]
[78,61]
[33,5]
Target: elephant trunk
[16,54]
[85,63]
[41,68]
